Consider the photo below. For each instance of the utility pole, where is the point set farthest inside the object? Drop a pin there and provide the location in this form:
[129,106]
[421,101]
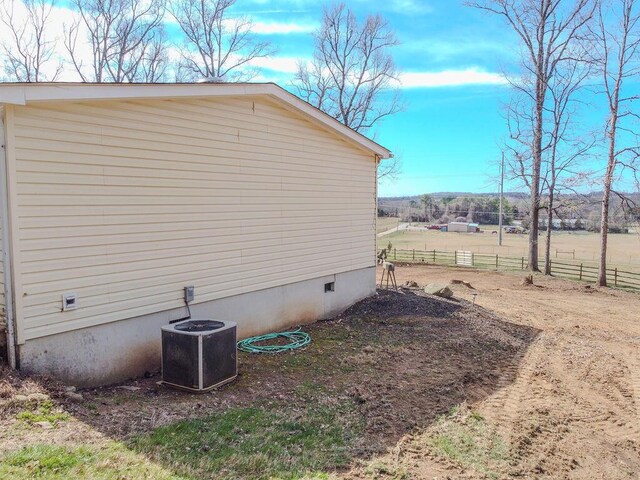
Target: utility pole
[501,201]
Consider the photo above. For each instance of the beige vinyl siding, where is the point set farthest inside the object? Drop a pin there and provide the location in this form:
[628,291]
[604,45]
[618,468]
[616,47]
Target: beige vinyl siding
[125,203]
[3,305]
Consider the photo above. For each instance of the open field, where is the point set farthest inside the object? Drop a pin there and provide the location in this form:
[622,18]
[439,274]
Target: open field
[386,223]
[624,249]
[533,381]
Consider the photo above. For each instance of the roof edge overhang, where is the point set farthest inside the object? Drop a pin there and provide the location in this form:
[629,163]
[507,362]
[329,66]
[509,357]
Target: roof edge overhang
[27,93]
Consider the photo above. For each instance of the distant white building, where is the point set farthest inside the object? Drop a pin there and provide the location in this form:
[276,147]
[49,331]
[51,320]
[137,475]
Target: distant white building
[465,227]
[566,222]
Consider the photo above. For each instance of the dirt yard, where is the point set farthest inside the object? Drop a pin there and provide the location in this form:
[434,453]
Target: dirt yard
[568,406]
[537,381]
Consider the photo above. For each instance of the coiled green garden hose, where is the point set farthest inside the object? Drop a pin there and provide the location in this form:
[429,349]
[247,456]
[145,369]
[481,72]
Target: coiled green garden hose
[297,339]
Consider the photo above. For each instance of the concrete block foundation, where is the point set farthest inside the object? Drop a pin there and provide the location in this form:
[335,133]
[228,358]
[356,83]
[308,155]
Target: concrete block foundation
[117,351]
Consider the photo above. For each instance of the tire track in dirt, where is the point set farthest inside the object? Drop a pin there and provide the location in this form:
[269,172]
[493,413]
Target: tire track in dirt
[514,387]
[567,404]
[634,369]
[629,431]
[616,425]
[531,412]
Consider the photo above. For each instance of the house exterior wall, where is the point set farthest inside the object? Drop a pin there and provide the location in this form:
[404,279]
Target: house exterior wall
[126,202]
[115,351]
[3,306]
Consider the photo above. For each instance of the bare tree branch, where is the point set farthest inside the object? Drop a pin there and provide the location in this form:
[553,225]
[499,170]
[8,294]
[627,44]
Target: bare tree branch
[216,46]
[352,75]
[390,168]
[26,46]
[125,37]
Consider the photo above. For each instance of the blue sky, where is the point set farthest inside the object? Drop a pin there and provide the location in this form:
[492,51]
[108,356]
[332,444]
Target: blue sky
[450,57]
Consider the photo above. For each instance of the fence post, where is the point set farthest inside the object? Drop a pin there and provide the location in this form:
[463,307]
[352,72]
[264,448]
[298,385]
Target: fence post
[580,271]
[434,255]
[615,277]
[522,266]
[413,255]
[455,257]
[394,253]
[472,255]
[496,261]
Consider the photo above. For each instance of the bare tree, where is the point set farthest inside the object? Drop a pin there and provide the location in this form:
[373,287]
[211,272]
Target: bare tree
[124,37]
[547,29]
[352,76]
[565,147]
[617,37]
[390,168]
[427,204]
[27,47]
[217,46]
[154,61]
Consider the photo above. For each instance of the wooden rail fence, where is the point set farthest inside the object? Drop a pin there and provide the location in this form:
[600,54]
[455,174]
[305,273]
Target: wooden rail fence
[566,269]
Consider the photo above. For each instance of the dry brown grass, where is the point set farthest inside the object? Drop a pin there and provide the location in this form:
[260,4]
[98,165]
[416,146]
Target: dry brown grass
[623,248]
[386,223]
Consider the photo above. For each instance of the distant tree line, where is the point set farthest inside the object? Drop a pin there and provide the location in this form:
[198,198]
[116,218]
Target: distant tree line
[578,211]
[447,209]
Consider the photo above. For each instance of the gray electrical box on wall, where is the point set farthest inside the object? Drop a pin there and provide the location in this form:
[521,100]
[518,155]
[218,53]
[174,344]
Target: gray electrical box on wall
[189,292]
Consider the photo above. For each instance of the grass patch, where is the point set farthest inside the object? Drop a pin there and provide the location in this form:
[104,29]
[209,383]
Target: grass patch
[379,469]
[464,437]
[53,462]
[259,443]
[42,412]
[311,390]
[44,461]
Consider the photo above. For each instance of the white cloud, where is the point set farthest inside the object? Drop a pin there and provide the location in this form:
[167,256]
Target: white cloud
[283,28]
[409,7]
[450,78]
[278,64]
[260,27]
[442,50]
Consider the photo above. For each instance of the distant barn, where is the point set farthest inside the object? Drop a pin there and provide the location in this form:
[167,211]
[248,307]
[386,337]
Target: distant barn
[463,227]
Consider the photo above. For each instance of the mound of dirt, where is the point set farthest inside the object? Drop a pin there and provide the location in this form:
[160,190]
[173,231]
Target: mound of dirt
[386,304]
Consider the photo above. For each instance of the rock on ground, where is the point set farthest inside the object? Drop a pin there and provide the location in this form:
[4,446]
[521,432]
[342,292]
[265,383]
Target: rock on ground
[439,290]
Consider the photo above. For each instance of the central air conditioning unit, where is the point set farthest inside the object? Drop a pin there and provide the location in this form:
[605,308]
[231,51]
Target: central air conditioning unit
[199,355]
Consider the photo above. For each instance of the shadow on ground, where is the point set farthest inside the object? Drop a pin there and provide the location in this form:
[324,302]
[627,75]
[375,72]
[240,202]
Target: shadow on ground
[386,367]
